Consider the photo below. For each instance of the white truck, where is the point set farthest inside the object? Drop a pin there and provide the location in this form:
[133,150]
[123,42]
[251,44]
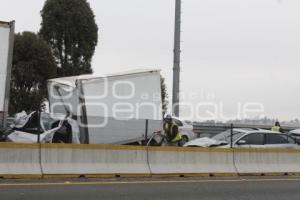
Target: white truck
[120,108]
[6,51]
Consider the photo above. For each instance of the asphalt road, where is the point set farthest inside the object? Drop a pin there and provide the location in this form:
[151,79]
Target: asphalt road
[165,189]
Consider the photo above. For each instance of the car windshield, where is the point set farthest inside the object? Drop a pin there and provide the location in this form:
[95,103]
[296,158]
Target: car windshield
[225,136]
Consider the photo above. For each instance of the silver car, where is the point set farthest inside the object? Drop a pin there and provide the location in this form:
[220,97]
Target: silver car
[295,134]
[247,138]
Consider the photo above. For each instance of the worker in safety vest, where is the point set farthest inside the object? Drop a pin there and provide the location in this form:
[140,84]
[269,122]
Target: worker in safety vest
[171,130]
[277,127]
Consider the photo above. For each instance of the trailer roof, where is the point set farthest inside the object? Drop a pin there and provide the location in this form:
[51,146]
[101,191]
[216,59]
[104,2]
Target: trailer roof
[6,24]
[71,80]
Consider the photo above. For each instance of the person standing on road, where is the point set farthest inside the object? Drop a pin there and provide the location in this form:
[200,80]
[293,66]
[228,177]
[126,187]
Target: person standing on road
[277,127]
[171,130]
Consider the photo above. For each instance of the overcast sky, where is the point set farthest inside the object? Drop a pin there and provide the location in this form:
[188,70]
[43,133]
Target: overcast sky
[233,51]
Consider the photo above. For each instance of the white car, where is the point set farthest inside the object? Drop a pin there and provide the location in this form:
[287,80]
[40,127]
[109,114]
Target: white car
[53,128]
[246,138]
[186,130]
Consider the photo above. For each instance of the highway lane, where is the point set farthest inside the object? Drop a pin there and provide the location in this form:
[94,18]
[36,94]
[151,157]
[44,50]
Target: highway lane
[181,189]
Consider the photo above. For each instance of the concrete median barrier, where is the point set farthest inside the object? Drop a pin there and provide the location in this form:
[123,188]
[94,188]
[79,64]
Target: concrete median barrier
[65,161]
[20,160]
[267,161]
[94,160]
[174,161]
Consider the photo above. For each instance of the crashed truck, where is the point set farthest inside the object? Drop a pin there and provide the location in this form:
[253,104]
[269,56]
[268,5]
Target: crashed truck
[120,108]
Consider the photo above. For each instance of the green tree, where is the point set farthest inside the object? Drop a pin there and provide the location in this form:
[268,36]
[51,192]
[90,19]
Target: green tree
[164,94]
[69,27]
[33,64]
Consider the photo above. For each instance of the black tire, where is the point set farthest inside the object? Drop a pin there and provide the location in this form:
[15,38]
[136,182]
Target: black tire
[184,140]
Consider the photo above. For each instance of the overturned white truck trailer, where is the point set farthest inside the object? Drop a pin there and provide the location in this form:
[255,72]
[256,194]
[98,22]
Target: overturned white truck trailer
[121,108]
[6,51]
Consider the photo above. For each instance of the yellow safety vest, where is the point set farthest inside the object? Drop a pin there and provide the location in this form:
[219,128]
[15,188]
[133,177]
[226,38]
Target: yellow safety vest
[276,129]
[169,129]
[177,138]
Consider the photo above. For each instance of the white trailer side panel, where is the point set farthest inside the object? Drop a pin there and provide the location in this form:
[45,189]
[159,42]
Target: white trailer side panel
[120,131]
[131,96]
[117,107]
[4,41]
[6,44]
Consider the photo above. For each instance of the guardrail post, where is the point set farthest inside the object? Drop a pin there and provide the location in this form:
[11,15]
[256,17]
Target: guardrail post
[38,126]
[146,131]
[231,135]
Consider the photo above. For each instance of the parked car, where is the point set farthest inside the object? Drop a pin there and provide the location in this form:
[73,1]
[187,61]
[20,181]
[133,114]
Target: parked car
[246,138]
[185,129]
[49,127]
[295,134]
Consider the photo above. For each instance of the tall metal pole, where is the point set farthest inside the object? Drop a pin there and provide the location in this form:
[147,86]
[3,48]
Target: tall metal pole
[176,66]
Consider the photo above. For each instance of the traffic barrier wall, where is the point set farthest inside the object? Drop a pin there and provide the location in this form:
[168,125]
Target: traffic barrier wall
[20,160]
[51,160]
[267,161]
[191,161]
[94,160]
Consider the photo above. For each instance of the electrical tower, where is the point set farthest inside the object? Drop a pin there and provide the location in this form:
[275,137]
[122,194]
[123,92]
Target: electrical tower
[176,66]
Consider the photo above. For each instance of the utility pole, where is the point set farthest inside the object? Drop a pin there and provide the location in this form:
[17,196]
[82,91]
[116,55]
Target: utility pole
[176,66]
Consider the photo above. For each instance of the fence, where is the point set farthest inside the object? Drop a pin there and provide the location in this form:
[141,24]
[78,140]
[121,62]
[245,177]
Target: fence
[209,130]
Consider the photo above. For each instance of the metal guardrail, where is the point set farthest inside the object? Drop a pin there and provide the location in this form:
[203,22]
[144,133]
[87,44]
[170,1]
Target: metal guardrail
[209,130]
[9,122]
